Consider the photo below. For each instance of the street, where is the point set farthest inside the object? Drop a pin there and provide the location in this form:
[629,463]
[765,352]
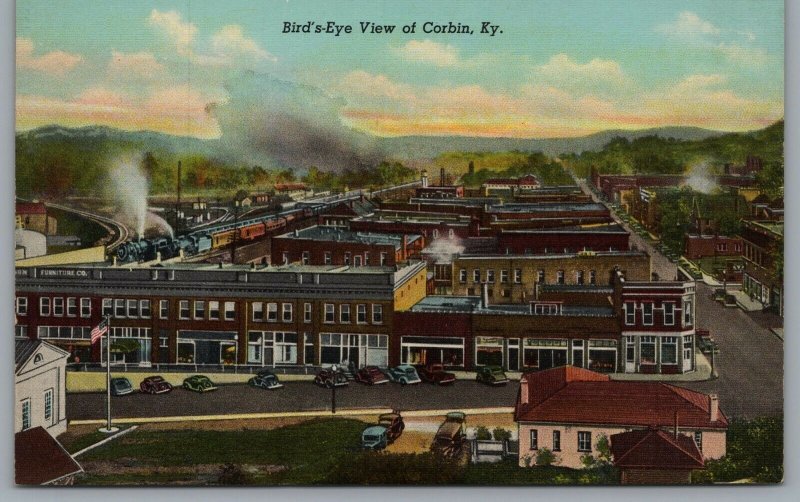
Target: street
[294,396]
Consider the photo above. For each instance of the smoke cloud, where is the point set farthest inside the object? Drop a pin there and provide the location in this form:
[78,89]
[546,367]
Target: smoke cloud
[284,124]
[442,250]
[130,188]
[701,179]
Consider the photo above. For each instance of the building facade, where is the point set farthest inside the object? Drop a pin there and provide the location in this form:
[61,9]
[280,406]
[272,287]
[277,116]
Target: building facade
[763,262]
[40,386]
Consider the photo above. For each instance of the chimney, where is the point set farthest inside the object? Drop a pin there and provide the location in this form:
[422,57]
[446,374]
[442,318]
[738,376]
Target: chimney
[523,390]
[441,177]
[713,407]
[484,295]
[403,252]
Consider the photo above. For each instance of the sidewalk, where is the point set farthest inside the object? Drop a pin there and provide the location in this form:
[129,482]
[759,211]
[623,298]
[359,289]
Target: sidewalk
[700,374]
[746,303]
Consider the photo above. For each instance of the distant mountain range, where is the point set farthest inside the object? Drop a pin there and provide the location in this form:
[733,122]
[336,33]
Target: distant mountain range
[402,148]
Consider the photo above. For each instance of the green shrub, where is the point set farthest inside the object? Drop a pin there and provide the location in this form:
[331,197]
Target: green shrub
[501,434]
[545,457]
[482,433]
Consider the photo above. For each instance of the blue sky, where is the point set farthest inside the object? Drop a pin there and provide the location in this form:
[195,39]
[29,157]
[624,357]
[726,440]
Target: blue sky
[558,68]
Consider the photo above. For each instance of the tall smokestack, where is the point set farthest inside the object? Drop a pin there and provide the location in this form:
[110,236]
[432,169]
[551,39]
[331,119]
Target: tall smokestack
[713,407]
[441,177]
[424,178]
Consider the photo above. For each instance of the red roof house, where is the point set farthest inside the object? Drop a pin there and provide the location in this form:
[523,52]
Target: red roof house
[654,456]
[41,460]
[556,404]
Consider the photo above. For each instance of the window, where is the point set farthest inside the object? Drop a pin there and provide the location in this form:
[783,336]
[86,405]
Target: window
[534,439]
[630,313]
[462,276]
[579,277]
[560,277]
[258,311]
[183,309]
[344,313]
[669,350]
[688,318]
[377,314]
[592,277]
[285,258]
[330,313]
[144,309]
[698,440]
[58,306]
[476,275]
[383,259]
[86,307]
[272,312]
[119,308]
[306,312]
[108,307]
[328,258]
[306,257]
[546,309]
[647,350]
[517,276]
[347,258]
[213,310]
[72,306]
[490,276]
[199,309]
[540,277]
[163,309]
[504,276]
[669,314]
[48,405]
[435,233]
[133,308]
[366,258]
[287,312]
[584,441]
[361,313]
[44,306]
[647,313]
[230,311]
[357,260]
[556,440]
[26,414]
[22,305]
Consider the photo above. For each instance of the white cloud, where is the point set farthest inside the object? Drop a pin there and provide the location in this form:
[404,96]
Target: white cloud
[735,53]
[56,63]
[561,67]
[688,24]
[140,64]
[230,41]
[429,52]
[181,33]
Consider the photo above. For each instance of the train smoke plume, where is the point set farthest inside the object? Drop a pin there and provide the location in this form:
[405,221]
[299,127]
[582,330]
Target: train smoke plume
[701,179]
[129,186]
[290,125]
[442,250]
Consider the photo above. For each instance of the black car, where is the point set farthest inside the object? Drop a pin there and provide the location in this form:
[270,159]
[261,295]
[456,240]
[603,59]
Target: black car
[265,379]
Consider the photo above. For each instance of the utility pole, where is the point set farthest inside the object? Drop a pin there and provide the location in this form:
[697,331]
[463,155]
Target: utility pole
[178,202]
[235,229]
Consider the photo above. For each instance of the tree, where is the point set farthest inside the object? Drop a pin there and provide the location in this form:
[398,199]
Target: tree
[545,457]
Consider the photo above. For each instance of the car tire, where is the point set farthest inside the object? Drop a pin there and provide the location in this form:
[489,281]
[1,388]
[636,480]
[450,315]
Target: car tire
[153,391]
[186,386]
[329,384]
[403,382]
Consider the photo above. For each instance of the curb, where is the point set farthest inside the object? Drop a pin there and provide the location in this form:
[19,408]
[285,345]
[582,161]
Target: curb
[106,440]
[288,414]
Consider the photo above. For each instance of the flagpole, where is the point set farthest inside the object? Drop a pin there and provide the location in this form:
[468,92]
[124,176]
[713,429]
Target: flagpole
[108,372]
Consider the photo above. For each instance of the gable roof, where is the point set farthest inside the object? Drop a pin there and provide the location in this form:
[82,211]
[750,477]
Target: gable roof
[655,449]
[40,458]
[31,208]
[575,395]
[25,348]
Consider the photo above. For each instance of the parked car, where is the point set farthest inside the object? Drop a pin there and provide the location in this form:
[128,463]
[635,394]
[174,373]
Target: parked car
[121,386]
[155,385]
[405,374]
[374,437]
[451,435]
[393,422]
[435,373]
[370,375]
[492,375]
[329,378]
[199,383]
[265,379]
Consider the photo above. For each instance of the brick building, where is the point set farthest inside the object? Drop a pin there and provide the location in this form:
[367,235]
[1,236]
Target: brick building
[763,245]
[563,239]
[273,316]
[320,245]
[432,226]
[700,246]
[33,216]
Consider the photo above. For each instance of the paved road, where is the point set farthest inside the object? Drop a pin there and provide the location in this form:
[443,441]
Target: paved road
[749,363]
[294,396]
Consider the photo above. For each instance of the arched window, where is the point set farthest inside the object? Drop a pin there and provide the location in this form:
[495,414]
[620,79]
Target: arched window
[38,358]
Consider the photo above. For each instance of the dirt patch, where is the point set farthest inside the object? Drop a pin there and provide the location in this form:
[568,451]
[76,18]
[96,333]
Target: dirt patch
[411,442]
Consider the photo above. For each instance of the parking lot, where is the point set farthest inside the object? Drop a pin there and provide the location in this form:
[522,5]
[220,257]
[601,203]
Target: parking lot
[294,396]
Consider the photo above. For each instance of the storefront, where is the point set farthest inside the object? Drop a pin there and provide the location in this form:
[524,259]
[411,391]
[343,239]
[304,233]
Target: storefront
[271,348]
[488,351]
[542,354]
[603,356]
[206,347]
[361,350]
[130,345]
[73,339]
[429,350]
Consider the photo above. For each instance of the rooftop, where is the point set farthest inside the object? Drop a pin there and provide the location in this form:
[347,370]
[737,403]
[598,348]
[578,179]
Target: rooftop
[454,304]
[775,227]
[333,234]
[572,395]
[523,207]
[612,228]
[654,448]
[40,459]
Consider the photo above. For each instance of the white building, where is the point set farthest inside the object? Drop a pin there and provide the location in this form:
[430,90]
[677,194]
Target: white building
[40,386]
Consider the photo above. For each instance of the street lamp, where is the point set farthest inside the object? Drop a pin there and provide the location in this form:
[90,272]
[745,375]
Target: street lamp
[334,369]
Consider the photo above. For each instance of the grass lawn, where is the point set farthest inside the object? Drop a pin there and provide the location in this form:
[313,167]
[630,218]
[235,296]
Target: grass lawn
[296,454]
[509,473]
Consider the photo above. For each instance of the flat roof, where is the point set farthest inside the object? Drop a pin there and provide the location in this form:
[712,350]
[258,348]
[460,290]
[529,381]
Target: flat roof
[522,207]
[613,228]
[335,234]
[775,227]
[472,304]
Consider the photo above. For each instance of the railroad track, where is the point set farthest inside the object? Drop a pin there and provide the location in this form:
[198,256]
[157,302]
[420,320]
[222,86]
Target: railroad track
[114,228]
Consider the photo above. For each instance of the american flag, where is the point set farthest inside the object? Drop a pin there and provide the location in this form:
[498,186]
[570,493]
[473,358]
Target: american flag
[99,330]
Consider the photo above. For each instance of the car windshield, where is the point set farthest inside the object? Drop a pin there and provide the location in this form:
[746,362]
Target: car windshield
[156,379]
[370,439]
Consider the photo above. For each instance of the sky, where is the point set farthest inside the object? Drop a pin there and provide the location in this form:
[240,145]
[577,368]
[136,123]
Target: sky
[552,69]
